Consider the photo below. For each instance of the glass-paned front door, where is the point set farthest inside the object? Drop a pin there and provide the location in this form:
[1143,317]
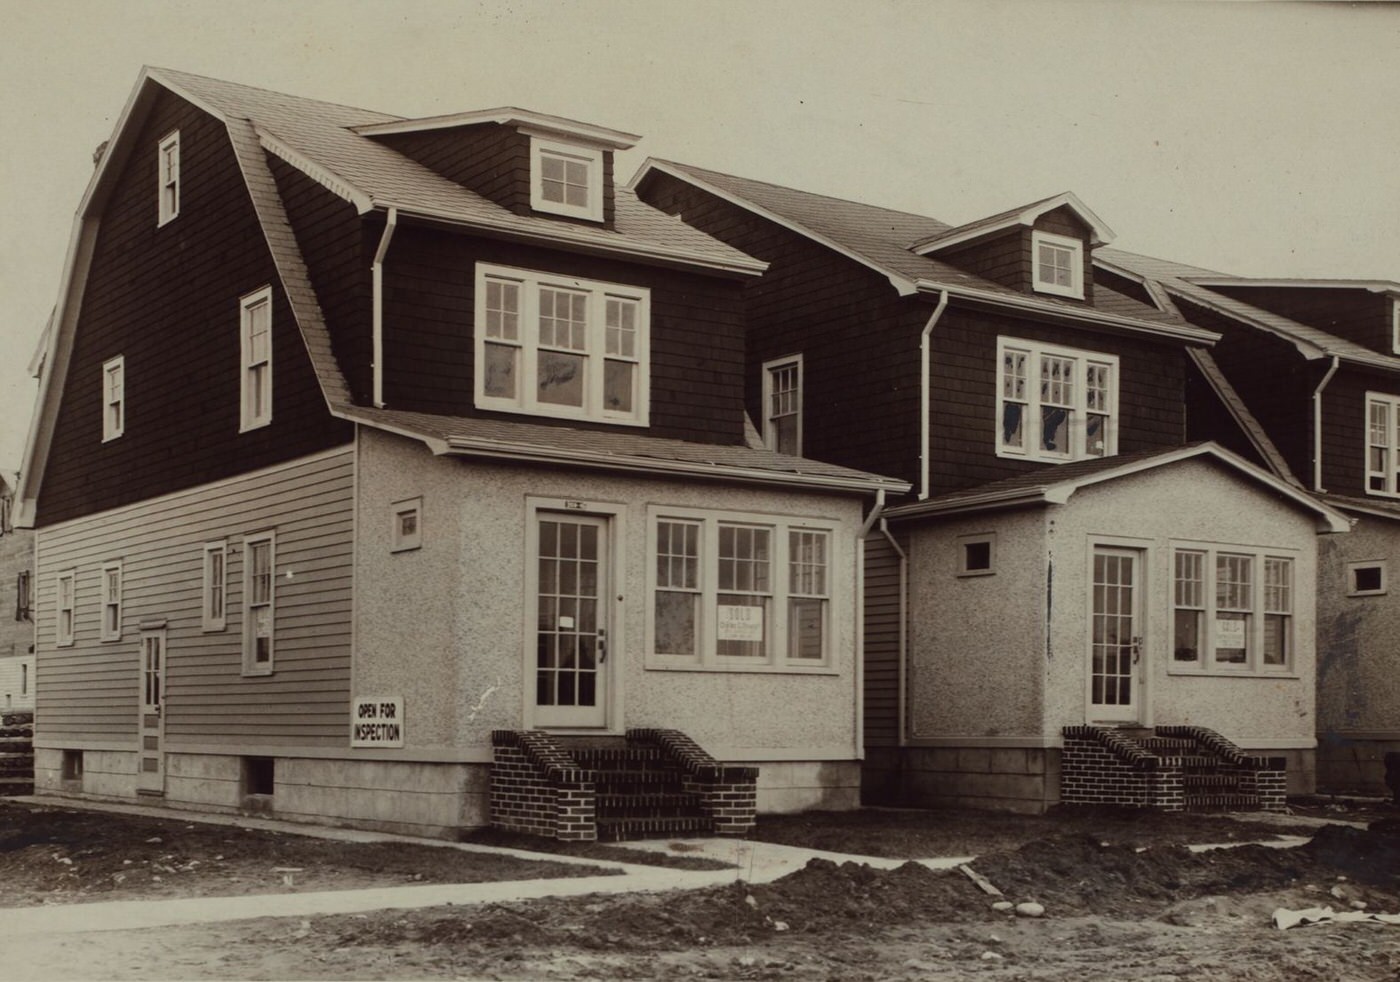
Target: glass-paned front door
[571,634]
[1116,642]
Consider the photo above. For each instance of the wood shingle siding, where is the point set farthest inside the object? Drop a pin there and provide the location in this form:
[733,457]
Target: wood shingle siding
[91,691]
[697,333]
[167,299]
[1345,430]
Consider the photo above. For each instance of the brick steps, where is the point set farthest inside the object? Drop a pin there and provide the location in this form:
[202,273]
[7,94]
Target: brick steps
[17,753]
[640,793]
[622,829]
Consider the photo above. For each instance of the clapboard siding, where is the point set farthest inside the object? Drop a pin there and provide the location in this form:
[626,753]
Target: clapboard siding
[90,690]
[882,635]
[167,300]
[1355,314]
[697,333]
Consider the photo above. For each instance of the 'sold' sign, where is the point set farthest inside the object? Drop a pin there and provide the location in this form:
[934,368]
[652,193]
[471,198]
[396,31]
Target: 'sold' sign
[377,721]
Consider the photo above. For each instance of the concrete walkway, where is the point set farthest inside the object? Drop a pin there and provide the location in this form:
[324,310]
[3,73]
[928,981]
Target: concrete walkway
[752,862]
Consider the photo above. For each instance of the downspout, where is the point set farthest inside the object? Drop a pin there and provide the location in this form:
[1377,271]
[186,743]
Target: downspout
[924,395]
[1317,424]
[377,274]
[859,706]
[903,660]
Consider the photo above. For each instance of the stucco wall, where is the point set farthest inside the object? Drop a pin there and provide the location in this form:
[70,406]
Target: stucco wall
[1201,502]
[443,625]
[976,643]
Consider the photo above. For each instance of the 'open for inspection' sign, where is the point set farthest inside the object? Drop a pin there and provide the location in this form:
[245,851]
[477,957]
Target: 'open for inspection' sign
[376,721]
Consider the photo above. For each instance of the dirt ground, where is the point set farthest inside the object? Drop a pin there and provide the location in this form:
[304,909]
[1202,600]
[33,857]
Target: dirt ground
[1123,901]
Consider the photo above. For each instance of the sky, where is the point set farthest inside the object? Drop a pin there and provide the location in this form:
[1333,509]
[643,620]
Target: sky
[1258,139]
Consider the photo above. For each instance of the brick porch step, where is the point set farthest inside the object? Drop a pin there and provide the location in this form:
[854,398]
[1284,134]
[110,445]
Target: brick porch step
[664,804]
[613,758]
[634,781]
[1167,746]
[1231,802]
[613,829]
[1219,779]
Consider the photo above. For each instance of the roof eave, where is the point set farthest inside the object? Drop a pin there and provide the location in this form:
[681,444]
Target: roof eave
[543,123]
[1388,287]
[1101,234]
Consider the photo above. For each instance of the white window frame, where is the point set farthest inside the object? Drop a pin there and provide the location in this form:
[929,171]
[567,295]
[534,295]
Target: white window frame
[214,594]
[1388,474]
[251,666]
[527,344]
[64,634]
[113,398]
[402,541]
[771,369]
[1075,248]
[1395,326]
[168,179]
[1253,665]
[1355,591]
[252,417]
[591,157]
[980,538]
[1034,351]
[111,626]
[778,634]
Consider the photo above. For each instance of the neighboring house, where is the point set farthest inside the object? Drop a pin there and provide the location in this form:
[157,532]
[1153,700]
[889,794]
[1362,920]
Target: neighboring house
[16,618]
[1078,604]
[379,459]
[1317,363]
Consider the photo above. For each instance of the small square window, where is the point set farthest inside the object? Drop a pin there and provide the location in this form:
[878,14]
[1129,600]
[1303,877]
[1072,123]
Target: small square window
[407,528]
[1057,265]
[1366,579]
[977,554]
[566,179]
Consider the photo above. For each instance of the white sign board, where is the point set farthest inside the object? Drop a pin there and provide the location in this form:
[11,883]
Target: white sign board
[740,623]
[1229,632]
[376,721]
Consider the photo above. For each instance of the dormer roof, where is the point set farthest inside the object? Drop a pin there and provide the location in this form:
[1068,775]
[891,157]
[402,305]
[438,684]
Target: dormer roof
[1023,216]
[527,120]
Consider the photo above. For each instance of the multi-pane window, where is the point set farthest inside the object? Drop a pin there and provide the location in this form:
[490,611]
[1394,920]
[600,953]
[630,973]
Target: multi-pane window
[23,599]
[782,401]
[112,601]
[1382,444]
[1232,610]
[255,326]
[1057,264]
[1055,404]
[64,603]
[566,180]
[113,398]
[737,592]
[559,346]
[215,592]
[259,574]
[168,185]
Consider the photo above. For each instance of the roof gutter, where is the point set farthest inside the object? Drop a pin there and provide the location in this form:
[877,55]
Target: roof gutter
[925,397]
[377,274]
[1317,424]
[1176,332]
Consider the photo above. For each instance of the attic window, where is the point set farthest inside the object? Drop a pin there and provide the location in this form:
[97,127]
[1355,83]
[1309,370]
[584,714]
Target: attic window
[168,189]
[566,179]
[1057,265]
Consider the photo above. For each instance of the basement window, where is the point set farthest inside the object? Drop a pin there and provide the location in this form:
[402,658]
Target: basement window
[1366,579]
[72,765]
[259,776]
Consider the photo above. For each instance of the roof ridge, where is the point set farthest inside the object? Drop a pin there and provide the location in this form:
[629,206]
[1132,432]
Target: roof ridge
[1159,259]
[176,74]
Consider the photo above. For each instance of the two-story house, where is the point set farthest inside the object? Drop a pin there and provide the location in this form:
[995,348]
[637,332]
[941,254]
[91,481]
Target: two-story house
[378,458]
[1076,604]
[1317,362]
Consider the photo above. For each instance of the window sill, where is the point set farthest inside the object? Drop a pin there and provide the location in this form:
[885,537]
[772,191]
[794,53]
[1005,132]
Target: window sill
[563,413]
[253,673]
[1240,673]
[767,668]
[1052,458]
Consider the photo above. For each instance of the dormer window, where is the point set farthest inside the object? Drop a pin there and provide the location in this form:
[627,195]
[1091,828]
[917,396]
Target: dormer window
[566,179]
[1057,265]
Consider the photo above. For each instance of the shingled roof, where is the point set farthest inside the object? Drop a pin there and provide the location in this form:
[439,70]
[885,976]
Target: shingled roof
[883,239]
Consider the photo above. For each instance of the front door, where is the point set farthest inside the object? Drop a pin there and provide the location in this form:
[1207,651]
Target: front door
[571,634]
[1115,636]
[150,773]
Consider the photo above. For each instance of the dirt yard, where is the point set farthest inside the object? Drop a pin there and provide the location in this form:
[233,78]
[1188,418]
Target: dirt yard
[1122,898]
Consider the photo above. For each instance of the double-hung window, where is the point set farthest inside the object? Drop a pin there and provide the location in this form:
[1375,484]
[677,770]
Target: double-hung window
[1057,264]
[65,603]
[168,182]
[782,405]
[1382,444]
[1232,610]
[255,331]
[112,601]
[1055,404]
[113,398]
[214,615]
[566,179]
[551,345]
[23,600]
[737,592]
[259,585]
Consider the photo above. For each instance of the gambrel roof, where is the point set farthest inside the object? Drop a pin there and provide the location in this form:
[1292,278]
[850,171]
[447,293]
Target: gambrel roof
[1179,281]
[883,240]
